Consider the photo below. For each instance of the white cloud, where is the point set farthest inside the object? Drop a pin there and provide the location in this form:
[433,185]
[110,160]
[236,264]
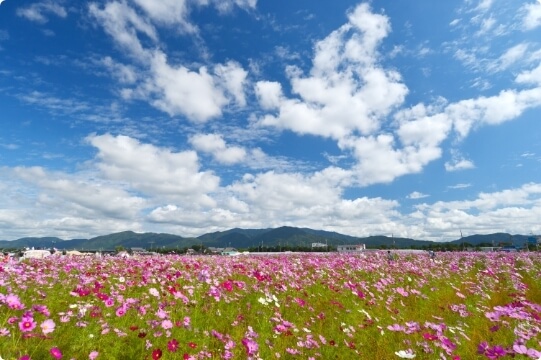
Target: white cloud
[484,5]
[532,15]
[417,195]
[168,12]
[269,94]
[182,91]
[509,211]
[379,161]
[158,173]
[513,55]
[125,74]
[122,23]
[459,186]
[486,25]
[82,197]
[199,95]
[214,144]
[39,11]
[530,77]
[346,91]
[459,164]
[493,110]
[226,6]
[232,78]
[175,13]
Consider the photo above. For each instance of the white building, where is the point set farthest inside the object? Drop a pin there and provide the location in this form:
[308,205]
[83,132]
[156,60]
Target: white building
[351,248]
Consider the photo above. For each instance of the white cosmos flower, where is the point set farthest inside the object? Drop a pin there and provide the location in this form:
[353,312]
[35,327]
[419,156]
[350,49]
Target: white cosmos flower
[262,301]
[405,354]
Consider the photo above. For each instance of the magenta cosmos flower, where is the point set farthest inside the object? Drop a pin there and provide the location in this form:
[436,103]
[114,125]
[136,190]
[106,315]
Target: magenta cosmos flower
[172,345]
[56,353]
[27,324]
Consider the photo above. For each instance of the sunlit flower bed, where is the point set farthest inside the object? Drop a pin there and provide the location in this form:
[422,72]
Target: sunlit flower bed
[295,306]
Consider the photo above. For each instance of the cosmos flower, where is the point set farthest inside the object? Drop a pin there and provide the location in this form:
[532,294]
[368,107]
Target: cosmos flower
[56,353]
[27,324]
[156,354]
[250,345]
[405,354]
[172,345]
[13,302]
[47,326]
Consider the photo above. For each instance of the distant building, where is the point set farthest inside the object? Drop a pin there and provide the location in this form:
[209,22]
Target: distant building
[351,248]
[223,251]
[318,245]
[489,248]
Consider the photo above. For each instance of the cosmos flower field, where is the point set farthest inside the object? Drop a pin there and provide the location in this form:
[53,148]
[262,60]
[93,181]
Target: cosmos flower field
[294,306]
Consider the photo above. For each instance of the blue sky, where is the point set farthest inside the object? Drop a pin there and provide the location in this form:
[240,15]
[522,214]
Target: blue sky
[417,119]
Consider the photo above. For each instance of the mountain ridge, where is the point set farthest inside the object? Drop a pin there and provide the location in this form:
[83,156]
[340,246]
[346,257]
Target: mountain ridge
[251,238]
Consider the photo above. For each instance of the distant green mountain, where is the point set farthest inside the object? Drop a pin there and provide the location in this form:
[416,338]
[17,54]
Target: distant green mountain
[248,238]
[495,239]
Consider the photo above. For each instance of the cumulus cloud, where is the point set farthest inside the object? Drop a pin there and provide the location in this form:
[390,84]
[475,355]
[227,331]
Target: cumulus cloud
[83,197]
[348,96]
[155,172]
[38,12]
[198,93]
[492,110]
[215,145]
[346,91]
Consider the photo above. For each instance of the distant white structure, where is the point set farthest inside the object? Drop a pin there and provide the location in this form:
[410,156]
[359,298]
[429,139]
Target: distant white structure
[318,245]
[351,248]
[35,254]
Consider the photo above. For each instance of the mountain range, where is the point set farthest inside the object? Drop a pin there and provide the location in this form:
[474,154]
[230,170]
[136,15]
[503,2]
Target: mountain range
[284,236]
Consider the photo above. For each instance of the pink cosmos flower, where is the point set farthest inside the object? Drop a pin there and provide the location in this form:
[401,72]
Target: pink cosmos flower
[121,311]
[396,327]
[167,324]
[250,345]
[13,302]
[27,324]
[93,355]
[161,314]
[187,321]
[47,326]
[56,353]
